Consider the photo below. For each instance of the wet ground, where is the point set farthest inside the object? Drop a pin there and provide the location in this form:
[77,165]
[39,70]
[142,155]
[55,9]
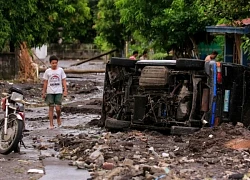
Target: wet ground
[82,105]
[81,150]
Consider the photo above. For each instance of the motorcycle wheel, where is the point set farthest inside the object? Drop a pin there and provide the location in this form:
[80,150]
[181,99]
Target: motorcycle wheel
[9,142]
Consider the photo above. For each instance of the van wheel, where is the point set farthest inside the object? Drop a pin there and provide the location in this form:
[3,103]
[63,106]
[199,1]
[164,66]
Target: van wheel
[246,120]
[191,64]
[111,123]
[122,62]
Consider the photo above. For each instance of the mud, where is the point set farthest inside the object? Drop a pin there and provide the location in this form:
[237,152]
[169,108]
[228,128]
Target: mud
[83,90]
[211,153]
[151,154]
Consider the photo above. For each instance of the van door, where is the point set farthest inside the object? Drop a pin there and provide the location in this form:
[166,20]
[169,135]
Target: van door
[233,92]
[246,105]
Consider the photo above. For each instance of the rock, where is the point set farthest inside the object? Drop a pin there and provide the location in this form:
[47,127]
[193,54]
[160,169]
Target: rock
[42,147]
[94,155]
[213,160]
[178,139]
[87,151]
[151,150]
[113,173]
[165,155]
[80,159]
[149,177]
[74,158]
[116,159]
[143,160]
[108,166]
[210,136]
[99,161]
[80,164]
[172,155]
[186,160]
[156,170]
[128,162]
[209,151]
[82,135]
[67,157]
[185,171]
[239,124]
[137,156]
[236,176]
[72,163]
[42,157]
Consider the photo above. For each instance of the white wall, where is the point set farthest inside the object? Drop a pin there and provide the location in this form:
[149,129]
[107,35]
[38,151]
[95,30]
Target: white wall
[41,52]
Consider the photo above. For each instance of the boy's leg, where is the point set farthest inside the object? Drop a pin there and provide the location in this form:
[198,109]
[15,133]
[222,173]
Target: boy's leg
[50,100]
[51,114]
[58,102]
[58,114]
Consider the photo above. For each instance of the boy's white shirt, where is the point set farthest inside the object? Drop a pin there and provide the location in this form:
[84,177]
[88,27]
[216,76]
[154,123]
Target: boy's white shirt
[54,78]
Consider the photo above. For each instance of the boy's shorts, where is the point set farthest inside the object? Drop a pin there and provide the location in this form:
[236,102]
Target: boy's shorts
[53,99]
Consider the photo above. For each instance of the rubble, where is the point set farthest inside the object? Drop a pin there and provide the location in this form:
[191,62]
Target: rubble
[121,155]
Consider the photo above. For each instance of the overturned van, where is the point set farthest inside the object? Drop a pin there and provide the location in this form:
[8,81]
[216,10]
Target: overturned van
[179,95]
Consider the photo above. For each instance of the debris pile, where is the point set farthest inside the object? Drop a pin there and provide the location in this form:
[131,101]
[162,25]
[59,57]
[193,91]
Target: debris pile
[151,155]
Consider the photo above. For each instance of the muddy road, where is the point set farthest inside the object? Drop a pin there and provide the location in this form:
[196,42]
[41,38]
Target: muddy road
[82,105]
[82,150]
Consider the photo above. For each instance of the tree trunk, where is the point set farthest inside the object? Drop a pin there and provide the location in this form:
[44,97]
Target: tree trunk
[12,47]
[28,70]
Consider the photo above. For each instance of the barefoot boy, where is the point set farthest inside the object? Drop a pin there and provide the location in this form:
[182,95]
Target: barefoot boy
[54,88]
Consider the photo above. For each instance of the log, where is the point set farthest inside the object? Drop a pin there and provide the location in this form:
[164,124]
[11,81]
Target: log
[75,71]
[93,58]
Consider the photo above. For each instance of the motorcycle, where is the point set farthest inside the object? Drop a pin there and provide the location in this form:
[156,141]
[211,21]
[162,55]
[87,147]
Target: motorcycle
[13,124]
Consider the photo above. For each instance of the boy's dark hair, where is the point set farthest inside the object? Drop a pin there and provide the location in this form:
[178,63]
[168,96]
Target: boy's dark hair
[53,57]
[145,52]
[135,52]
[215,53]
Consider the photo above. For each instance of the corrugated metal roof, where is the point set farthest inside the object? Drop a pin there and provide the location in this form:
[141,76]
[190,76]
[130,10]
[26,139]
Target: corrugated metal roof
[241,27]
[243,22]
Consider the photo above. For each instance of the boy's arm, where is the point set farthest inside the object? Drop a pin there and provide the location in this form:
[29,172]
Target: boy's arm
[65,91]
[45,84]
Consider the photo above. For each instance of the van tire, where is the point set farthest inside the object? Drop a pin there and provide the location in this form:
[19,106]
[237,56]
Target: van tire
[111,123]
[190,64]
[122,62]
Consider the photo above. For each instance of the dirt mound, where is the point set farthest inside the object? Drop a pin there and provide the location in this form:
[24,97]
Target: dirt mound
[151,155]
[216,137]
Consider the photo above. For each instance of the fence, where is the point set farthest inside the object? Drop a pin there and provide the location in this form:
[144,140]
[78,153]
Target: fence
[8,66]
[73,51]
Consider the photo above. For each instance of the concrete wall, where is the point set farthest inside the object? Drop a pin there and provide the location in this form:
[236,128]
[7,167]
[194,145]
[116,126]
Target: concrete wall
[8,66]
[73,51]
[41,52]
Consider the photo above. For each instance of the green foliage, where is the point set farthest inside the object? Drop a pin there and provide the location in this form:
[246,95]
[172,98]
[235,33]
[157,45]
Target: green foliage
[166,24]
[110,32]
[246,45]
[159,56]
[228,10]
[37,21]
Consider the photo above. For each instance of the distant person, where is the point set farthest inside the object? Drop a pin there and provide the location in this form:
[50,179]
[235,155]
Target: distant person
[134,56]
[54,88]
[144,55]
[212,56]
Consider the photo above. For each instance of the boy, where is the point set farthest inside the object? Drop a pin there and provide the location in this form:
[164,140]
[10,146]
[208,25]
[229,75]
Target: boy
[212,56]
[134,56]
[54,88]
[144,55]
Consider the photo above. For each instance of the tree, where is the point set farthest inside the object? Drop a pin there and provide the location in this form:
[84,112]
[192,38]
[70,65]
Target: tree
[230,12]
[170,24]
[111,33]
[37,21]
